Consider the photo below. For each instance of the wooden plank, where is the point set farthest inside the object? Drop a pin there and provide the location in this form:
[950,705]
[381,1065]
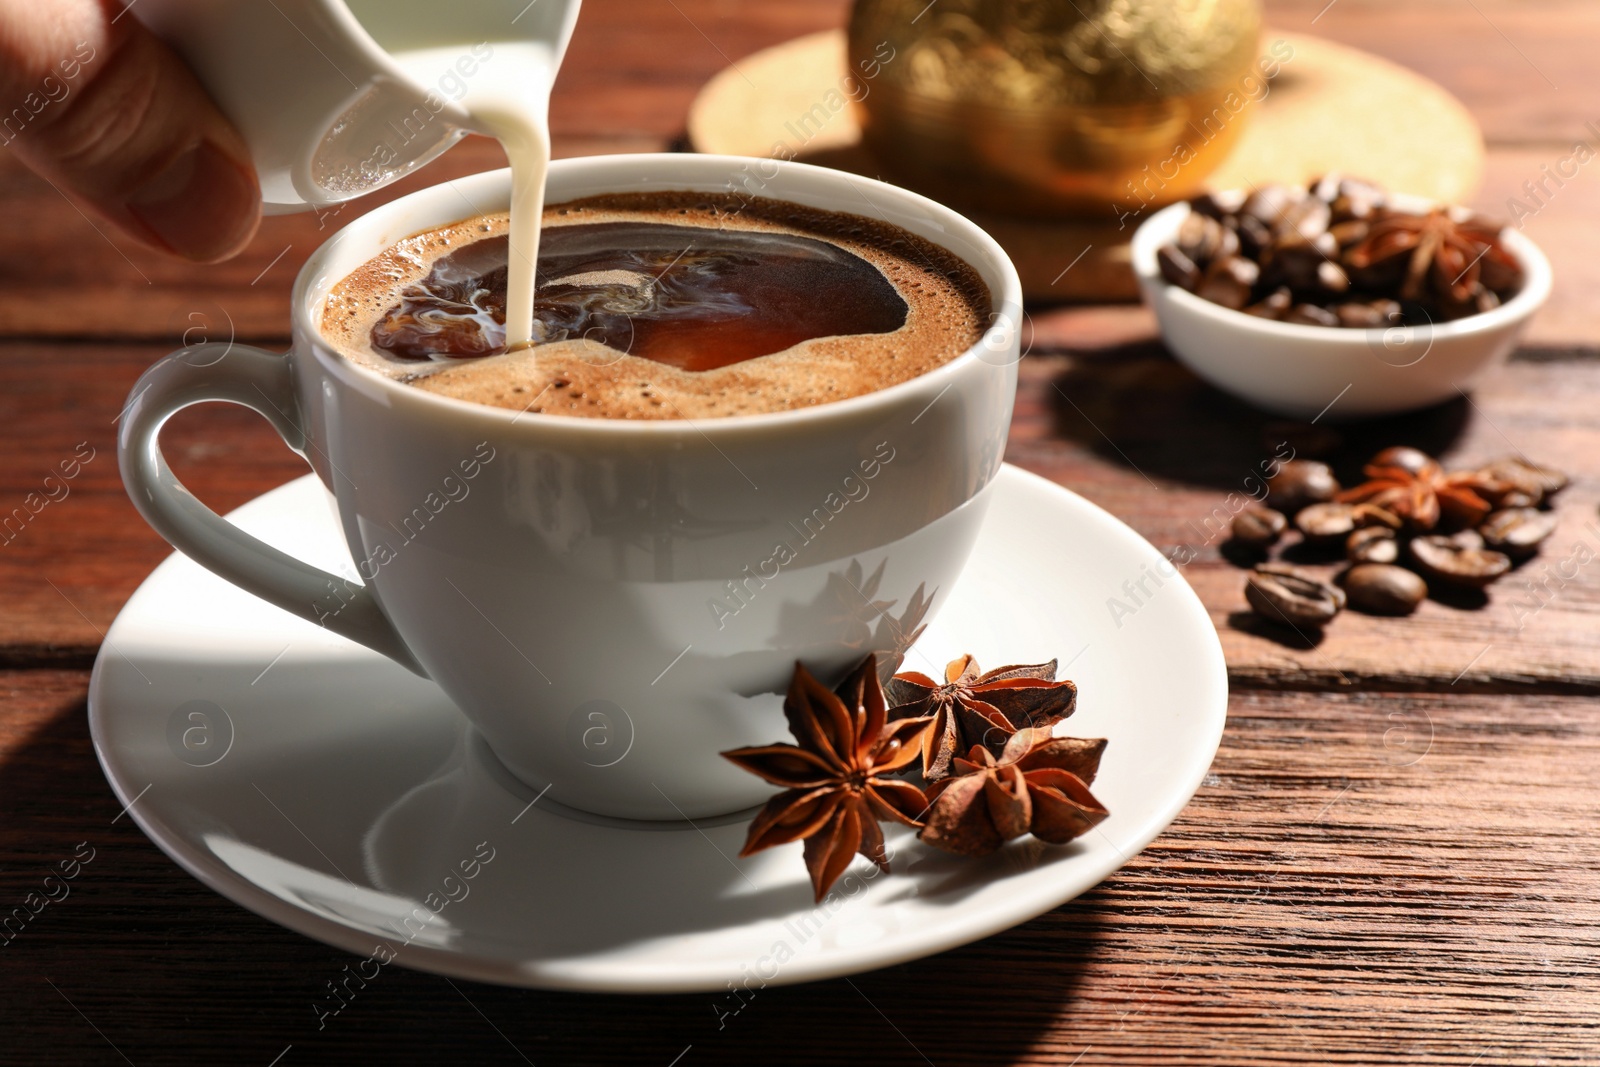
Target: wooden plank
[1122,429]
[1379,877]
[69,568]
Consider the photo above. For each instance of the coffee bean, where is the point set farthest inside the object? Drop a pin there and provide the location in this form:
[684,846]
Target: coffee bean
[1286,594]
[1219,205]
[1178,268]
[1200,238]
[1255,236]
[1518,532]
[1358,315]
[1359,201]
[1229,282]
[1458,561]
[1326,187]
[1528,481]
[1229,245]
[1296,261]
[1368,314]
[1306,219]
[1273,306]
[1378,276]
[1349,232]
[1327,521]
[1383,589]
[1311,315]
[1410,460]
[1350,198]
[1331,278]
[1334,521]
[1300,482]
[1269,203]
[1258,527]
[1372,544]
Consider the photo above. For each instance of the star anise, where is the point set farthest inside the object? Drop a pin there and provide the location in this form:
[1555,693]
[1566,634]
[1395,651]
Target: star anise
[1411,484]
[979,709]
[1449,255]
[837,777]
[1039,783]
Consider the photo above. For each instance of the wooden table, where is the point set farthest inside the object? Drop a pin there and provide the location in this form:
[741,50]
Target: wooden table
[1392,860]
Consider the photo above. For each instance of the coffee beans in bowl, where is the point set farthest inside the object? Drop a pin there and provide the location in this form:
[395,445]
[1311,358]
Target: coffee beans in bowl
[1340,254]
[1337,301]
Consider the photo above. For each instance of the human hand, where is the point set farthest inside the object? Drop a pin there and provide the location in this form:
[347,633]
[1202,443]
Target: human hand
[108,114]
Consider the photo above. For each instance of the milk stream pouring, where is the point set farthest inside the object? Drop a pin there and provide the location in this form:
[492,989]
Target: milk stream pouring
[337,98]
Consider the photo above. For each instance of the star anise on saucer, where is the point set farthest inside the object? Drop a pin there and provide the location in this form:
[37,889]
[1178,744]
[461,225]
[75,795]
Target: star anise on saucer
[837,777]
[1411,484]
[978,709]
[1038,784]
[1450,255]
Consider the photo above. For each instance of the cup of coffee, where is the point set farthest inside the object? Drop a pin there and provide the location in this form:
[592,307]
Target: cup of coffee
[760,425]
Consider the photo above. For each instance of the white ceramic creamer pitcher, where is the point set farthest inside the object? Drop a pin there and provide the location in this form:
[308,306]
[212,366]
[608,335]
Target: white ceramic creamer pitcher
[337,98]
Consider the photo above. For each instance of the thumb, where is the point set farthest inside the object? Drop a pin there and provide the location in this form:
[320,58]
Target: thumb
[110,115]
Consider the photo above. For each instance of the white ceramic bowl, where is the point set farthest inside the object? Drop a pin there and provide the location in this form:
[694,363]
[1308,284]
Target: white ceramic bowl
[1300,371]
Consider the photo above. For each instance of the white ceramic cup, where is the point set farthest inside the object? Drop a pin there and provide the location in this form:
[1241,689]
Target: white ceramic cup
[611,603]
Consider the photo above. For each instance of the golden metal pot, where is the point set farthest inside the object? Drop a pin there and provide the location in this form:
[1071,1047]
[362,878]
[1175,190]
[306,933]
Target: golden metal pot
[1056,107]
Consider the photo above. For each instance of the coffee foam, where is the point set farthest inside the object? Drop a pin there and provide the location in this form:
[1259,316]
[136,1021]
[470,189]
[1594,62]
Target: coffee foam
[946,311]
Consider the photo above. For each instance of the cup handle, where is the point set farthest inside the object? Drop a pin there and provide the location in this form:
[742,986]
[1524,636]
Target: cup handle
[261,381]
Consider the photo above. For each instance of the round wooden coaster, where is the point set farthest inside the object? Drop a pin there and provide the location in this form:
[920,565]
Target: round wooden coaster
[1330,108]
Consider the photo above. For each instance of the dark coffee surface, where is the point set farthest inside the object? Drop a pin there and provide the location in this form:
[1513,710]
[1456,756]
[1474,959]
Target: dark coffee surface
[687,296]
[663,305]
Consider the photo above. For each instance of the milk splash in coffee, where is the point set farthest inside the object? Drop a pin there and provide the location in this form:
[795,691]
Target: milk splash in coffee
[509,99]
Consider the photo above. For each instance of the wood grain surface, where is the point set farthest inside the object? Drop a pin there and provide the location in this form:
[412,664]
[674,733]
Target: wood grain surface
[1365,877]
[1393,860]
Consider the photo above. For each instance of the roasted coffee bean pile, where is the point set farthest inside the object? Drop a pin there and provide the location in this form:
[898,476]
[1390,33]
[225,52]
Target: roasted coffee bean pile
[1412,527]
[1339,254]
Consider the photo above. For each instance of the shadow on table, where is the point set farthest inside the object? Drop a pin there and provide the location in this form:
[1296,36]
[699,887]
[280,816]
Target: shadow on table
[138,955]
[1301,638]
[1140,409]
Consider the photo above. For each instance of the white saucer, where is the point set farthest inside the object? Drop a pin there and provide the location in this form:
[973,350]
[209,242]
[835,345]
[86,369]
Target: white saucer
[331,791]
